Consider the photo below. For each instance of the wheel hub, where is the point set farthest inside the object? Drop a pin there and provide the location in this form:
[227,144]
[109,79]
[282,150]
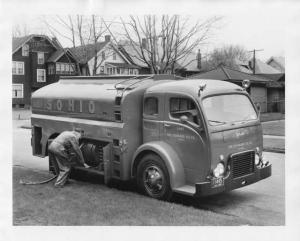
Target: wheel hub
[153,179]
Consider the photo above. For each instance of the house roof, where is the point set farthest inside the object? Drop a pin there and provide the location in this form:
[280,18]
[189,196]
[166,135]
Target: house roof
[276,77]
[279,60]
[18,42]
[86,52]
[123,65]
[225,73]
[58,54]
[263,68]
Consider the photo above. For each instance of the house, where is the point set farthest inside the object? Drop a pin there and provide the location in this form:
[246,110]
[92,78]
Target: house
[257,90]
[276,92]
[37,61]
[277,63]
[259,67]
[188,65]
[104,58]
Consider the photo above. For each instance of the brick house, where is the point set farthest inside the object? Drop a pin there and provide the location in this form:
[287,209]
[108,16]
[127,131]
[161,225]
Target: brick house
[37,61]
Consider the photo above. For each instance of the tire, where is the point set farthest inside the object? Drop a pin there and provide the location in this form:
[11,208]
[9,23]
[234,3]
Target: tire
[153,177]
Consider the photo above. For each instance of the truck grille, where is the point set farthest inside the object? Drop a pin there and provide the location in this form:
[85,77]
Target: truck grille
[242,163]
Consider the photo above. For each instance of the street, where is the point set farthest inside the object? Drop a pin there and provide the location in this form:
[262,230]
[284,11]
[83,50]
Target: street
[262,203]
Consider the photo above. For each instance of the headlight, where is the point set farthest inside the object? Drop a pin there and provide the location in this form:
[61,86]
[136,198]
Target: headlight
[219,170]
[258,156]
[257,159]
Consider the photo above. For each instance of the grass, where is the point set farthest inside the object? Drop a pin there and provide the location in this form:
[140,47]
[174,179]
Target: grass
[276,128]
[86,203]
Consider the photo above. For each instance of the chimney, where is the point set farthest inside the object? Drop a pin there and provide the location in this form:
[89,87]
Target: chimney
[199,60]
[144,43]
[107,38]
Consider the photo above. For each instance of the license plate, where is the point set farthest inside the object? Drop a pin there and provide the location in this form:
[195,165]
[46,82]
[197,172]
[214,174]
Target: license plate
[217,182]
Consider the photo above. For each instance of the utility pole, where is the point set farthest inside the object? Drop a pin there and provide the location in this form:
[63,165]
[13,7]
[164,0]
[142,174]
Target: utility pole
[254,50]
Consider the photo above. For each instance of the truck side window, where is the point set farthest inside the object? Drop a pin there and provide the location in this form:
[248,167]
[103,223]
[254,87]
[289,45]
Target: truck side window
[151,106]
[184,106]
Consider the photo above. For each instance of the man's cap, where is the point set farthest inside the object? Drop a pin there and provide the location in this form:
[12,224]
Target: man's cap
[79,130]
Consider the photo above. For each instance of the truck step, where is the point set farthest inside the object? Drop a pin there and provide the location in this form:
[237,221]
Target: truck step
[186,189]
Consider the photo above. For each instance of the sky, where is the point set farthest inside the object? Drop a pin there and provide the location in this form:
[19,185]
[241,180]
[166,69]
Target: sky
[259,28]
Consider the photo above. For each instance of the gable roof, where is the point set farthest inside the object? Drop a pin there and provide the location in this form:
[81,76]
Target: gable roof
[275,77]
[58,54]
[87,52]
[18,42]
[225,73]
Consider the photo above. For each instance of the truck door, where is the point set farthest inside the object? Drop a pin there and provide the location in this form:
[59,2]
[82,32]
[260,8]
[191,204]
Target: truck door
[152,116]
[183,129]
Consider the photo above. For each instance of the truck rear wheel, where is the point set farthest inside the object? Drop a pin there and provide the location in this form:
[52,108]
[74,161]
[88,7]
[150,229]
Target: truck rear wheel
[153,177]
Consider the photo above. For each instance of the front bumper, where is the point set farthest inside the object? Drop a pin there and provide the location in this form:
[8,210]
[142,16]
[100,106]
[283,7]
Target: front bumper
[206,189]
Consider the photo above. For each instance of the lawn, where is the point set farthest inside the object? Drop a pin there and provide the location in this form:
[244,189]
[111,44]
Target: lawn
[276,128]
[85,203]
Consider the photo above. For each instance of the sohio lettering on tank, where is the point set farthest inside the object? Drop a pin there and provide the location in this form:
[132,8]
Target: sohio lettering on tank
[79,106]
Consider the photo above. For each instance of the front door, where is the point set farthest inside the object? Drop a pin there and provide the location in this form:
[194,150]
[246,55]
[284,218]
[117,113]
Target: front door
[183,129]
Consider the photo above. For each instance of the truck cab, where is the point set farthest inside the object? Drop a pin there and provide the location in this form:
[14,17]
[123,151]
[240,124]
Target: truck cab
[195,137]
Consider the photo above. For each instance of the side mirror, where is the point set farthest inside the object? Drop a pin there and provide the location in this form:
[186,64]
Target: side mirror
[184,119]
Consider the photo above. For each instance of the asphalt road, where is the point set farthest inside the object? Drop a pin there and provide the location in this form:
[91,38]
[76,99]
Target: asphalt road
[262,203]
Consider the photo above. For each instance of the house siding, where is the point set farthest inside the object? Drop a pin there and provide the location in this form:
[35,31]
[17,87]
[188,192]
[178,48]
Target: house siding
[22,79]
[29,79]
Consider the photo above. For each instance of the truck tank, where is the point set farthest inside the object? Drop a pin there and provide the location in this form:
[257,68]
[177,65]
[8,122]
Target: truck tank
[108,109]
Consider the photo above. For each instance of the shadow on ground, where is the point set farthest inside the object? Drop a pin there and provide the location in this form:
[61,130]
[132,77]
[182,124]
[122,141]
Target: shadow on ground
[227,200]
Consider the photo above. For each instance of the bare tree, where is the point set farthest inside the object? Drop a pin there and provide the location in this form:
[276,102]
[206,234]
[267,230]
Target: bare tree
[20,30]
[231,56]
[81,31]
[162,42]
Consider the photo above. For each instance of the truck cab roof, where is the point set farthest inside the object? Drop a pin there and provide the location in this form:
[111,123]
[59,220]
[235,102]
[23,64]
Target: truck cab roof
[191,86]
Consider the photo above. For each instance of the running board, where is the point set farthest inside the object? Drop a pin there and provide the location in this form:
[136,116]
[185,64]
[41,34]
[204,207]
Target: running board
[187,190]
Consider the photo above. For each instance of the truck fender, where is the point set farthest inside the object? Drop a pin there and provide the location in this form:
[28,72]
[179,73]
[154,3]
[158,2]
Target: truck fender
[169,156]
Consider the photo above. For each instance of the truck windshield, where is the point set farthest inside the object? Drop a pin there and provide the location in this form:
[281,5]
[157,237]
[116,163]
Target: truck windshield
[222,109]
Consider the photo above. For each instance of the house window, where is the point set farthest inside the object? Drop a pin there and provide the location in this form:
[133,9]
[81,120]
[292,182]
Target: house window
[41,59]
[101,69]
[114,56]
[41,75]
[65,68]
[51,69]
[25,50]
[17,90]
[18,68]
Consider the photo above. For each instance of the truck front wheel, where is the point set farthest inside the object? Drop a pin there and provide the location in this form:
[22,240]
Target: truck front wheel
[153,177]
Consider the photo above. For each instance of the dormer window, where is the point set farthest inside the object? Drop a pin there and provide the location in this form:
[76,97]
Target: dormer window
[41,59]
[25,50]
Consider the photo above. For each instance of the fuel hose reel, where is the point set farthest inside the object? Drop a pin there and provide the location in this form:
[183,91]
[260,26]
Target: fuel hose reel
[92,153]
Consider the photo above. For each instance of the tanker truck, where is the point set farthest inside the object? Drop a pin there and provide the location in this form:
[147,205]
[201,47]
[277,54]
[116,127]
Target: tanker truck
[191,136]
